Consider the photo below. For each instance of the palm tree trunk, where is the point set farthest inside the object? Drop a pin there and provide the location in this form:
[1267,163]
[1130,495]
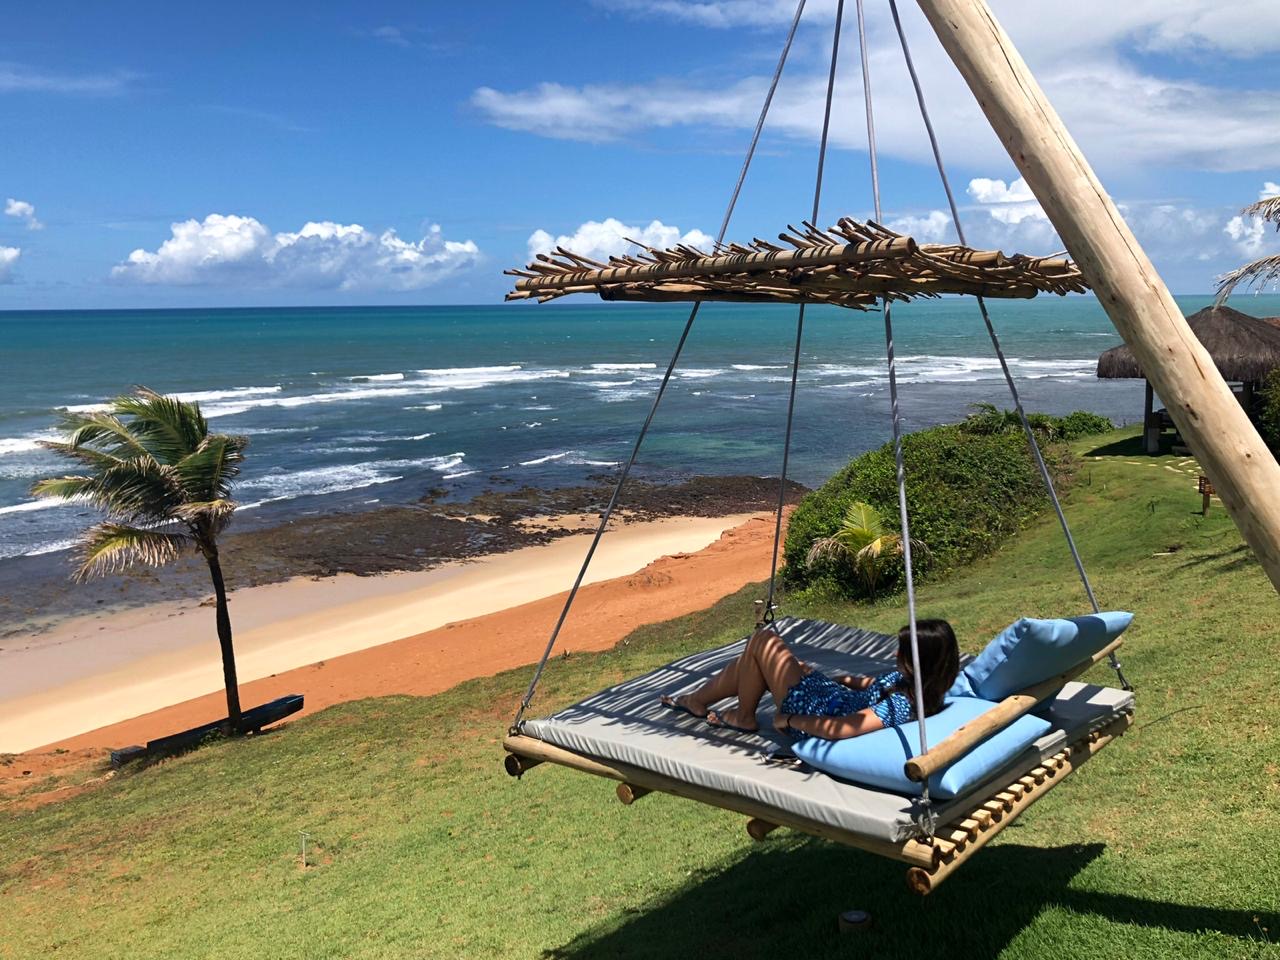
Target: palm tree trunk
[224,639]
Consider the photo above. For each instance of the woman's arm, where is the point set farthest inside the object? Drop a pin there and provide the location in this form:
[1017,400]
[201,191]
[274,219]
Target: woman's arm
[830,728]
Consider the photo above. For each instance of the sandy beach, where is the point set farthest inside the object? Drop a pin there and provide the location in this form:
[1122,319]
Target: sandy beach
[131,675]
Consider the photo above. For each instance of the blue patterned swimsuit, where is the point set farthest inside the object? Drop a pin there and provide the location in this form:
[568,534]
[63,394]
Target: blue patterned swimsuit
[817,695]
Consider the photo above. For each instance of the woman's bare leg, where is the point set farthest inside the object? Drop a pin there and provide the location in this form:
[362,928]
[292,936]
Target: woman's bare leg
[720,687]
[766,664]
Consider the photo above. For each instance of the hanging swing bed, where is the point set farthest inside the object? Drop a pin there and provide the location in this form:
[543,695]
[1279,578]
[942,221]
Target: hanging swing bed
[929,806]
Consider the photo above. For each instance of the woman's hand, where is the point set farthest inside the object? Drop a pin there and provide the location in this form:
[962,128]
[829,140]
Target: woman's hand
[855,681]
[781,721]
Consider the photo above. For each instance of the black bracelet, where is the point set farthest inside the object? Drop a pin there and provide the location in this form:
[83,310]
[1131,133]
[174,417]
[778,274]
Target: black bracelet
[790,716]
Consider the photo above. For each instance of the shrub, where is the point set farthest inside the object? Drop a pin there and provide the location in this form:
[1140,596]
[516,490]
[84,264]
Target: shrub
[988,419]
[967,491]
[1268,411]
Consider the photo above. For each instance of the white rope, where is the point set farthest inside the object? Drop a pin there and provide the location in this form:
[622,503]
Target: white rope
[926,817]
[995,340]
[662,388]
[795,360]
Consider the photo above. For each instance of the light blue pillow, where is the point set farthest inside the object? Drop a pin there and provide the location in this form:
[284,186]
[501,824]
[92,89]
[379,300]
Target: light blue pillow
[877,759]
[1028,651]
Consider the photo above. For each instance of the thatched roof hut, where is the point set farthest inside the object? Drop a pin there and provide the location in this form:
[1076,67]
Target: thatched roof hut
[1243,348]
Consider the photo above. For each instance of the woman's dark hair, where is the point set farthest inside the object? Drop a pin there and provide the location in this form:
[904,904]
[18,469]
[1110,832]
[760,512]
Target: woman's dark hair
[939,661]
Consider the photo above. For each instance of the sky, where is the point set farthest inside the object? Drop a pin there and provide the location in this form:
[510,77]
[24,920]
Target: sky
[235,154]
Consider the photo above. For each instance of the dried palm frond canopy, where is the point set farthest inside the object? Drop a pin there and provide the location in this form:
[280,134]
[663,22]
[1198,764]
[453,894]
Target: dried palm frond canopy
[851,265]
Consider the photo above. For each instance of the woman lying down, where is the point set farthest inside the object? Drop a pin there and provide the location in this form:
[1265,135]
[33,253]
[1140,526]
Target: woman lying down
[810,703]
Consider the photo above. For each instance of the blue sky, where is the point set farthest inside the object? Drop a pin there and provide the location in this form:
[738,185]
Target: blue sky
[407,153]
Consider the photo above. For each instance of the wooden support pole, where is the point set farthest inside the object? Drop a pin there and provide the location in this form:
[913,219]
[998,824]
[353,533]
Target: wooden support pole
[516,765]
[968,735]
[1219,433]
[758,829]
[629,793]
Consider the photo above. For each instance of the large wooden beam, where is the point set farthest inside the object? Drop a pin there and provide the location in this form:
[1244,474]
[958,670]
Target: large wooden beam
[1230,451]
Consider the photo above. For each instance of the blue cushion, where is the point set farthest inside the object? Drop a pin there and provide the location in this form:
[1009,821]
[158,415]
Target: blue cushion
[877,759]
[1029,651]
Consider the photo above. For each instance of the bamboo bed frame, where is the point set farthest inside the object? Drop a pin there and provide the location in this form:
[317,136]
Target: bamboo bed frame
[931,859]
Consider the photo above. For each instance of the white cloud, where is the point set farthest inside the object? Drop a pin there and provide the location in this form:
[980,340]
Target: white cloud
[19,78]
[1008,203]
[1248,234]
[322,255]
[392,35]
[714,13]
[1084,56]
[601,239]
[932,228]
[23,211]
[8,257]
[1167,25]
[1269,189]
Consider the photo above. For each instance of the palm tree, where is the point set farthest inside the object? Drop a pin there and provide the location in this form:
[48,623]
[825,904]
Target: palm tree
[863,539]
[1262,271]
[164,482]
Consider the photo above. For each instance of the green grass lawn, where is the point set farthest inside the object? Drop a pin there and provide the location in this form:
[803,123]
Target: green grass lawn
[1165,845]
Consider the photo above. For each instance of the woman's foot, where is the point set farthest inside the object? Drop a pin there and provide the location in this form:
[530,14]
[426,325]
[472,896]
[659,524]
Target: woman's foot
[686,703]
[731,720]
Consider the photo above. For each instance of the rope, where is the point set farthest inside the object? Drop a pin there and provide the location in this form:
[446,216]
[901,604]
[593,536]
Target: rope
[662,388]
[926,813]
[795,360]
[995,340]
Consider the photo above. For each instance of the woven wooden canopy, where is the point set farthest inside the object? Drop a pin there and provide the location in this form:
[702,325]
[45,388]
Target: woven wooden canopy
[851,265]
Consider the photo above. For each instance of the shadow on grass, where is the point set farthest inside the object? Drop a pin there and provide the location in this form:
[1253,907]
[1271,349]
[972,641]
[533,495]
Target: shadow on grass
[1127,447]
[784,902]
[1235,558]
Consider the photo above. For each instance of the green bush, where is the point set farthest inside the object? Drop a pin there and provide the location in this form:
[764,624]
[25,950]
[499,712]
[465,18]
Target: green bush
[967,491]
[1267,411]
[988,419]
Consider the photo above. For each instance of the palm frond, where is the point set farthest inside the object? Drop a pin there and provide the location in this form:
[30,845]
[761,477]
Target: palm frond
[861,524]
[64,488]
[206,473]
[1257,275]
[103,430]
[825,548]
[90,456]
[1265,209]
[169,428]
[111,547]
[138,490]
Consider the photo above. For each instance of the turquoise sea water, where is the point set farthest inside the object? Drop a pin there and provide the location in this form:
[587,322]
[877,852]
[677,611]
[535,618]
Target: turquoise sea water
[347,407]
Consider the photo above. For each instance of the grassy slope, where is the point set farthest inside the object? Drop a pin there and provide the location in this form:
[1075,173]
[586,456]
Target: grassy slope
[1165,845]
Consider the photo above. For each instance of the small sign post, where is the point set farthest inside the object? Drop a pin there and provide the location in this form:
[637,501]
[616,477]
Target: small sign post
[1206,493]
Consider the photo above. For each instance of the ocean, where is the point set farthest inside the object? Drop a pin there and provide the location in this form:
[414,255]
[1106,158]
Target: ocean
[348,408]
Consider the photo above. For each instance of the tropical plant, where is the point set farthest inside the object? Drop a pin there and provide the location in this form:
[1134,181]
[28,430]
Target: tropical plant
[864,540]
[164,483]
[1264,270]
